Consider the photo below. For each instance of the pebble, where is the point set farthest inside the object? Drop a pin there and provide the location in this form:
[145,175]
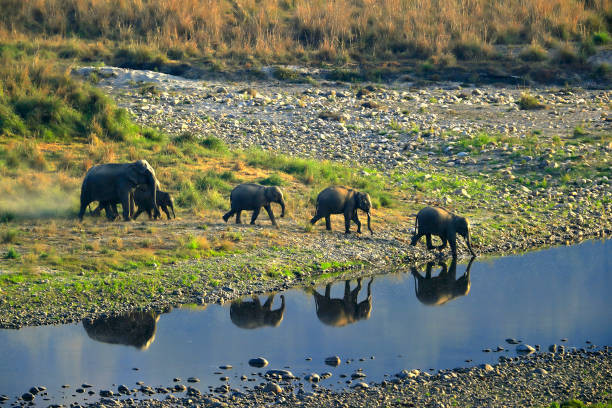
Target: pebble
[258,362]
[525,348]
[193,379]
[333,361]
[273,388]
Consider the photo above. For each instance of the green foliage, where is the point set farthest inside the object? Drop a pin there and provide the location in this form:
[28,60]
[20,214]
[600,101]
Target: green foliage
[212,180]
[601,38]
[9,236]
[214,144]
[272,180]
[346,75]
[535,52]
[38,99]
[11,254]
[529,102]
[579,131]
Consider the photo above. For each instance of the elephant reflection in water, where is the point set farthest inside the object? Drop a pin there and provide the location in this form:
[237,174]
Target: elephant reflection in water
[340,312]
[444,287]
[135,329]
[252,314]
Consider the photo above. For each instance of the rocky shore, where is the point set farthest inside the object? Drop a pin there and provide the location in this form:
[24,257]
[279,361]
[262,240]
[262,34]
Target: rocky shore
[529,380]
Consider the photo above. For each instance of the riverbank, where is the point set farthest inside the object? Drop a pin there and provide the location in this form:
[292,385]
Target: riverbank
[524,182]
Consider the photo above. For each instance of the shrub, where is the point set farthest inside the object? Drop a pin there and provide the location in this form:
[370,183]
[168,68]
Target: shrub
[9,236]
[529,102]
[338,74]
[601,38]
[272,180]
[214,144]
[566,54]
[535,52]
[11,254]
[471,50]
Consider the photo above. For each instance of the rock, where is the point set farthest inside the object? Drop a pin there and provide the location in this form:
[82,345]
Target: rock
[123,390]
[552,348]
[180,388]
[193,392]
[226,367]
[28,397]
[284,374]
[357,374]
[499,348]
[540,371]
[258,362]
[313,378]
[85,385]
[106,393]
[512,341]
[487,367]
[193,379]
[333,361]
[360,386]
[273,388]
[525,348]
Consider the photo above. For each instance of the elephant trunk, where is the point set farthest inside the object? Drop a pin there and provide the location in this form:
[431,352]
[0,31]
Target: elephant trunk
[469,243]
[369,218]
[282,204]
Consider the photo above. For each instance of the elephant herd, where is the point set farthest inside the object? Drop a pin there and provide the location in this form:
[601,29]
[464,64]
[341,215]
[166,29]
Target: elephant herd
[138,328]
[135,184]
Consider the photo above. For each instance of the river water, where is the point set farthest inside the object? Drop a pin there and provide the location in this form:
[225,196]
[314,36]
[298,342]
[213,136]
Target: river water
[411,320]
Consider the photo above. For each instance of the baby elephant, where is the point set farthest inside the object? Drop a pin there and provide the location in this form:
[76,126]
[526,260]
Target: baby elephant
[251,197]
[144,200]
[342,200]
[446,225]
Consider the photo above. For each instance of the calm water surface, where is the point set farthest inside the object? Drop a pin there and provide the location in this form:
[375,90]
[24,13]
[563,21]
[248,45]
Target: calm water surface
[411,320]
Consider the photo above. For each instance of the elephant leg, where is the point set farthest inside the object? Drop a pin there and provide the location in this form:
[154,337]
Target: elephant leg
[238,219]
[429,244]
[111,211]
[150,214]
[328,291]
[316,218]
[356,220]
[255,215]
[347,289]
[228,215]
[84,205]
[140,210]
[347,222]
[165,209]
[97,211]
[125,203]
[328,222]
[415,238]
[453,244]
[271,215]
[441,247]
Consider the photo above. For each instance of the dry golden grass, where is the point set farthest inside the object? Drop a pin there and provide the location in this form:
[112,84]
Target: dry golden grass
[284,29]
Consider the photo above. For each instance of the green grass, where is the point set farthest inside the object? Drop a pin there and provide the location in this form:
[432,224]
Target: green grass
[39,100]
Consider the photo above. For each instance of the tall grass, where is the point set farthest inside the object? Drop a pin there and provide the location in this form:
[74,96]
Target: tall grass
[296,29]
[39,99]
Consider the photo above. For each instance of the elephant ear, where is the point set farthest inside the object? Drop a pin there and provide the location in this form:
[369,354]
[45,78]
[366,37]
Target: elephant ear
[143,167]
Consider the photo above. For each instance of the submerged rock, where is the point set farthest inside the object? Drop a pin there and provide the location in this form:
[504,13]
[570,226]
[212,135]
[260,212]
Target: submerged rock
[333,361]
[525,348]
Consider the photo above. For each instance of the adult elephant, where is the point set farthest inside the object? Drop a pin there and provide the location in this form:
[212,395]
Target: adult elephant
[115,182]
[340,312]
[252,314]
[438,221]
[438,290]
[135,329]
[251,197]
[342,200]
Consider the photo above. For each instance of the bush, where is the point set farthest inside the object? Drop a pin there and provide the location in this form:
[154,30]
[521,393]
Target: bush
[11,254]
[529,102]
[214,144]
[9,236]
[601,38]
[566,54]
[272,180]
[471,50]
[535,52]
